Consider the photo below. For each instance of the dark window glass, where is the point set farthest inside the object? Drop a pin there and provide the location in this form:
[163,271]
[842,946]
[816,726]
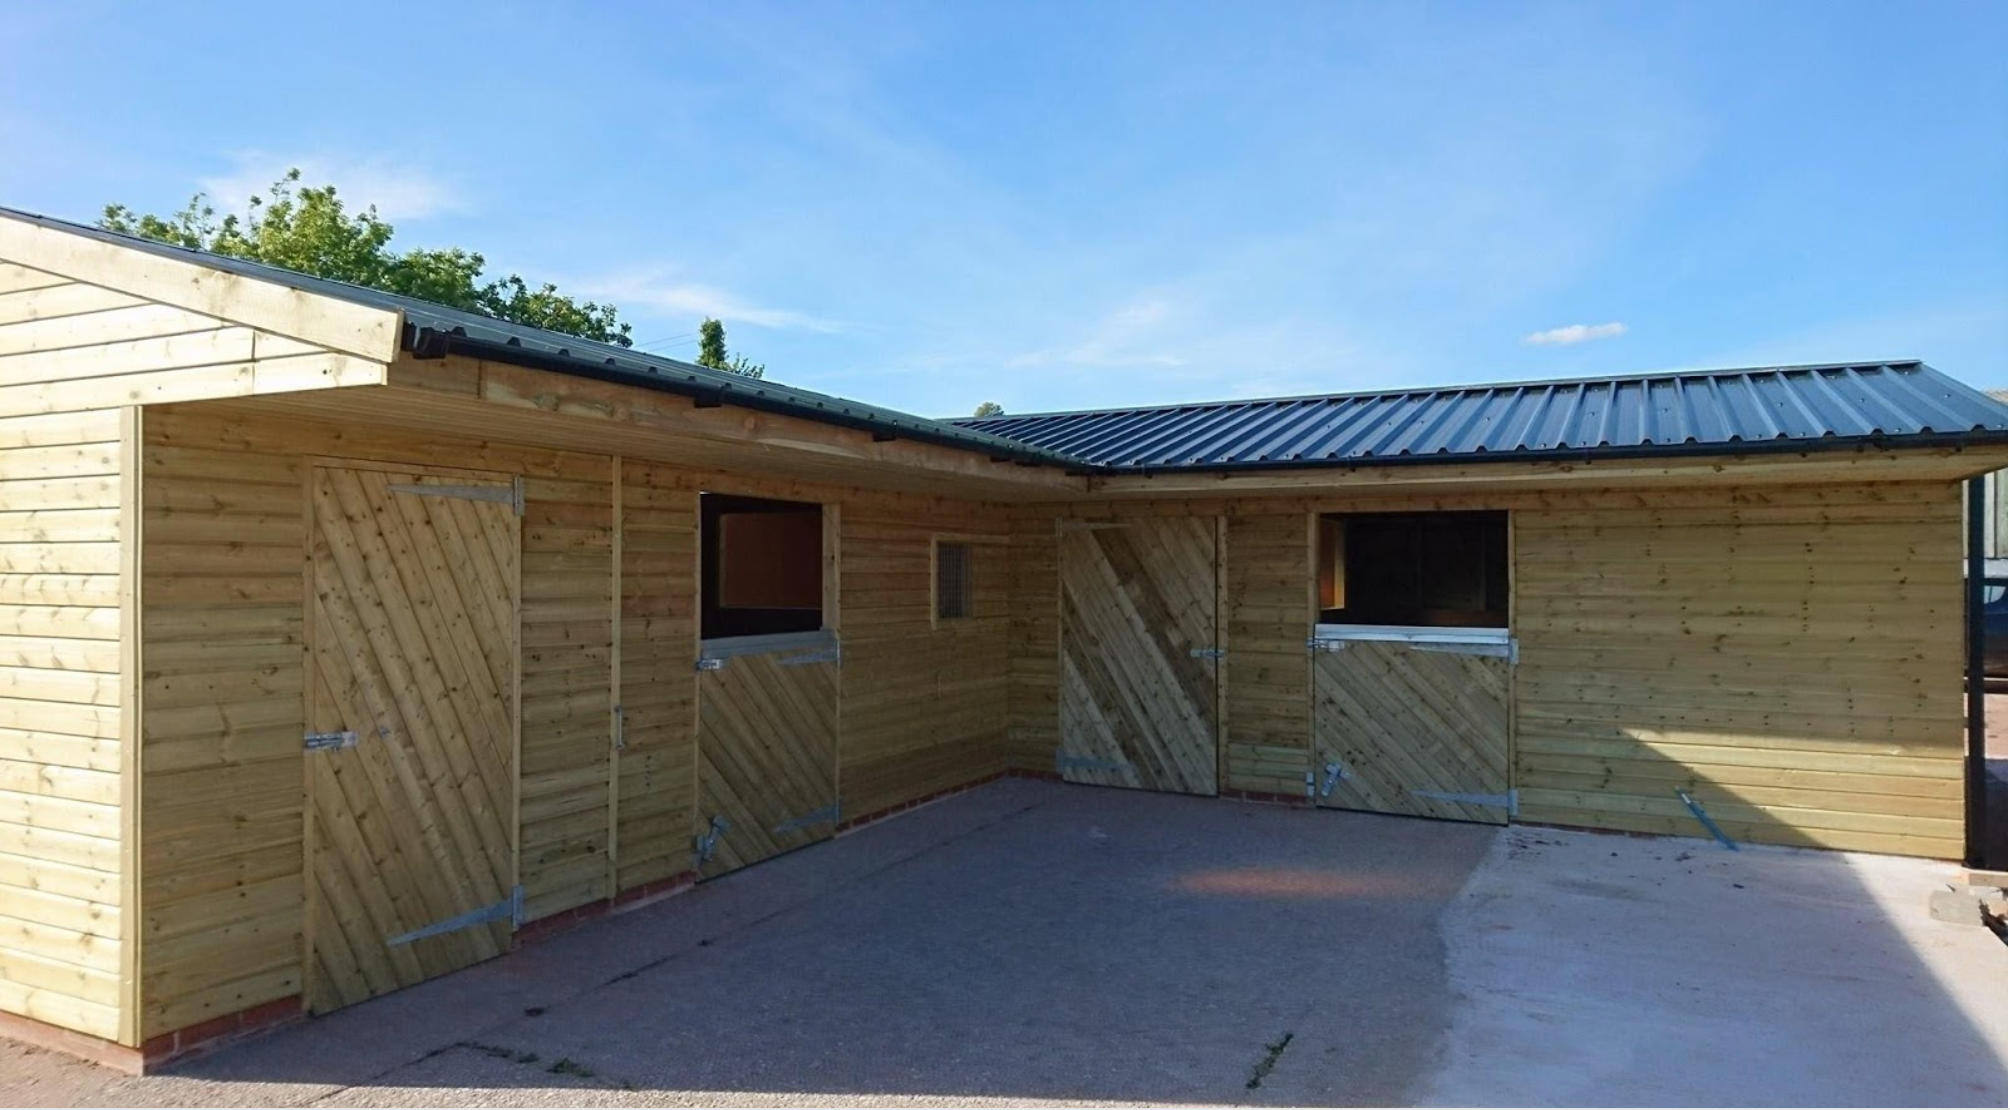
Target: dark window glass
[1421,569]
[952,580]
[762,566]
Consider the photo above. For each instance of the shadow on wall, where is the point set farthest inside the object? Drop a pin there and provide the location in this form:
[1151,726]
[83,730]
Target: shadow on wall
[1042,942]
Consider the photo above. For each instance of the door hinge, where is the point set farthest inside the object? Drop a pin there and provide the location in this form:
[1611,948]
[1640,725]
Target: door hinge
[1507,801]
[828,814]
[510,909]
[511,495]
[329,741]
[1208,653]
[1316,644]
[709,843]
[831,654]
[1336,773]
[712,663]
[620,728]
[1065,762]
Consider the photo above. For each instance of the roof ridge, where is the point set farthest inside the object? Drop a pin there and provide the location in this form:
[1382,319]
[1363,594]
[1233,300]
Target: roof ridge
[1463,387]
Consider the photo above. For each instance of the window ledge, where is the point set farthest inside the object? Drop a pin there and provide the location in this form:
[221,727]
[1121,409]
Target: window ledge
[1411,634]
[726,647]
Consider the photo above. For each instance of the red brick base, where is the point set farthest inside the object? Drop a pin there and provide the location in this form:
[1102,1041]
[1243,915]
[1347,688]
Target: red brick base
[157,1051]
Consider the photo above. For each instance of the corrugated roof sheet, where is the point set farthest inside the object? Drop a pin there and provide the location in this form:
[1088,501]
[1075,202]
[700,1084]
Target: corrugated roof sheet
[1707,412]
[1720,412]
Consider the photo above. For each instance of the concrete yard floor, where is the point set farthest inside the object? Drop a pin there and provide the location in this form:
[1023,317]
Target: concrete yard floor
[1033,942]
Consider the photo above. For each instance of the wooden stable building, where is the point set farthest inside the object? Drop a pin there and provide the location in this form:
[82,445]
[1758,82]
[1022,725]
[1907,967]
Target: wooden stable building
[347,640]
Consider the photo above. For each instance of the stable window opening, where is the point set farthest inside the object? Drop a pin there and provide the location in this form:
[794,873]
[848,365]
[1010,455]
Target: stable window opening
[1429,570]
[952,580]
[761,566]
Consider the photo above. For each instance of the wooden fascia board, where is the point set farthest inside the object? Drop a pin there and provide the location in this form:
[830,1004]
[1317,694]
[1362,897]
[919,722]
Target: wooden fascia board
[337,325]
[1813,467]
[522,388]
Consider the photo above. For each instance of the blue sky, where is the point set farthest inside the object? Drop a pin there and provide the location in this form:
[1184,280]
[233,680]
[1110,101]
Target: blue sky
[1075,205]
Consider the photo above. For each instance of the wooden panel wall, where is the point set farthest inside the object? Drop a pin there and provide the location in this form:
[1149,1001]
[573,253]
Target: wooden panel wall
[1791,656]
[224,717]
[659,645]
[924,703]
[1789,653]
[61,924]
[1268,678]
[1035,641]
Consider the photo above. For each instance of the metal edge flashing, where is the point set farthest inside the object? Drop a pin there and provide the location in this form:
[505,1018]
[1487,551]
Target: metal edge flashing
[1742,449]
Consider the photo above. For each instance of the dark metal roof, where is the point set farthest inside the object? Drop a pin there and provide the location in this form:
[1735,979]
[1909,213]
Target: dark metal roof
[1796,408]
[435,329]
[1707,412]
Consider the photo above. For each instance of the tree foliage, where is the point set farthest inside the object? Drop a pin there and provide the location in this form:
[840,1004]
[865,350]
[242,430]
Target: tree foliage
[989,408]
[712,352]
[308,228]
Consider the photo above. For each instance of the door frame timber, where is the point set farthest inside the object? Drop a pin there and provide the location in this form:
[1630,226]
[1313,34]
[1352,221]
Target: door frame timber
[310,528]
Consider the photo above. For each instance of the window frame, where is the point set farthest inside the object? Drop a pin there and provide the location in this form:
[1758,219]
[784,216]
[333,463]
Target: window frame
[1406,633]
[968,544]
[708,537]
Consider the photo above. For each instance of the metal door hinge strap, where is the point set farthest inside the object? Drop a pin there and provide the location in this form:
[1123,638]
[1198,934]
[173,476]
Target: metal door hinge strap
[1065,762]
[709,842]
[1509,801]
[1696,808]
[509,909]
[828,814]
[620,728]
[511,495]
[329,741]
[1208,652]
[1314,643]
[1508,650]
[711,663]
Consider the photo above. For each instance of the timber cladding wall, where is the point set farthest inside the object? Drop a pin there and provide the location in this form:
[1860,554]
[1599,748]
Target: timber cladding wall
[1788,654]
[606,799]
[1792,655]
[61,923]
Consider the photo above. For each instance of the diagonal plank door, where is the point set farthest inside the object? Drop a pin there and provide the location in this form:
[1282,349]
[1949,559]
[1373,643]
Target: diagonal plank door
[1139,689]
[413,649]
[767,756]
[1396,727]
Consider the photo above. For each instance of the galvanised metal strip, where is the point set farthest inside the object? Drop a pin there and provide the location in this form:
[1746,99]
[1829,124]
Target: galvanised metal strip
[510,909]
[1696,808]
[1508,801]
[1065,762]
[1509,650]
[511,495]
[828,814]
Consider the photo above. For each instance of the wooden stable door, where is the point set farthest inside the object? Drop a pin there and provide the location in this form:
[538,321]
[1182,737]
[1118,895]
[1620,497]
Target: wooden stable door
[767,751]
[411,701]
[1140,653]
[1418,729]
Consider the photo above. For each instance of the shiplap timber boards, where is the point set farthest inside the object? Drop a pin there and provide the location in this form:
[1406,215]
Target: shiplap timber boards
[414,651]
[1403,725]
[62,912]
[767,759]
[1138,705]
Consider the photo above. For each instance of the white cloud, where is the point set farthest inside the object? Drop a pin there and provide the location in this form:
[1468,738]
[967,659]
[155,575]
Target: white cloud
[1574,333]
[1120,339]
[656,289]
[399,192]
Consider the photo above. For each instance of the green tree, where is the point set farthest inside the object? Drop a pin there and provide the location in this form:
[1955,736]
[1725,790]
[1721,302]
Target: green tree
[307,228]
[989,408]
[712,352]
